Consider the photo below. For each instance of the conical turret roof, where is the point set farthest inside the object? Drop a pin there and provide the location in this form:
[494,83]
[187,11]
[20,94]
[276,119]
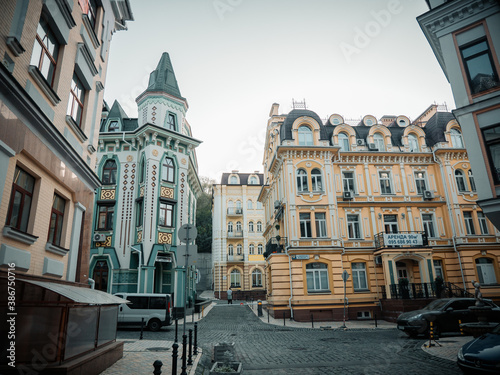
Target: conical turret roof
[163,78]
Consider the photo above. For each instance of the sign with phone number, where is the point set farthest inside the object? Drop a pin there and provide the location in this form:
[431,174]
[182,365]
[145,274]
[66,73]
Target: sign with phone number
[402,239]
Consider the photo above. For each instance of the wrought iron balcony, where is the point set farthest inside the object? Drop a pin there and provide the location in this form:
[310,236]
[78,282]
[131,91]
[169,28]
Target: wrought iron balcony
[231,211]
[424,290]
[401,239]
[276,245]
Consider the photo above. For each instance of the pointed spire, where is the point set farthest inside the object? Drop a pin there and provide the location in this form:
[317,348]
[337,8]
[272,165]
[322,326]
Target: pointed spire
[117,111]
[163,78]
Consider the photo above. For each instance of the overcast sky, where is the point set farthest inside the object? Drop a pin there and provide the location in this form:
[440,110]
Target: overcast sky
[234,58]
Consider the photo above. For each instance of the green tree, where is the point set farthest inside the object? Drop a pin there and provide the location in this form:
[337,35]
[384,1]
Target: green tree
[204,216]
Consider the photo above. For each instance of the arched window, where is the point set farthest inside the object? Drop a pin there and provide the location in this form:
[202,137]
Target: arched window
[302,181]
[305,136]
[230,226]
[471,180]
[230,250]
[460,178]
[233,180]
[238,204]
[343,142]
[253,180]
[250,226]
[168,170]
[249,204]
[456,139]
[259,226]
[171,122]
[317,185]
[256,278]
[239,249]
[317,277]
[142,171]
[413,143]
[109,172]
[486,271]
[259,249]
[251,249]
[378,139]
[235,278]
[238,226]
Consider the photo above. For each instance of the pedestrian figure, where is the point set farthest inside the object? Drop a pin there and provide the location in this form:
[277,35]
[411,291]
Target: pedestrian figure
[229,296]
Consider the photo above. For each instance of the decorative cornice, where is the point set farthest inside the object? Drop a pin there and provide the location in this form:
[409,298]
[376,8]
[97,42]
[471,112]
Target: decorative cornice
[383,159]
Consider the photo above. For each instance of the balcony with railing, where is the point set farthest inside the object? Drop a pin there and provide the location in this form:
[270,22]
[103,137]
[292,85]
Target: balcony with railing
[232,211]
[401,240]
[235,234]
[235,258]
[276,245]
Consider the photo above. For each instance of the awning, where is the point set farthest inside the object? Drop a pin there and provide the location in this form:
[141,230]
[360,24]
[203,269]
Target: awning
[79,295]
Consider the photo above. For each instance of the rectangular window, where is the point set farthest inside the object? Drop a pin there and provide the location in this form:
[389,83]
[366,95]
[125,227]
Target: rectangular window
[348,181]
[256,278]
[479,66]
[428,224]
[56,220]
[317,277]
[305,225]
[483,224]
[45,51]
[76,99]
[492,143]
[105,217]
[171,122]
[420,182]
[359,277]
[469,223]
[166,214]
[353,227]
[139,212]
[438,267]
[320,219]
[20,201]
[385,183]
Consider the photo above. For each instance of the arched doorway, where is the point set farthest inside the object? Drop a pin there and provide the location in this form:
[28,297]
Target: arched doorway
[100,275]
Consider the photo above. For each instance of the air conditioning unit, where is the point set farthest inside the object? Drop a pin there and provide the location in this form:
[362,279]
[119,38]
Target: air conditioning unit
[428,194]
[360,142]
[378,260]
[277,204]
[98,237]
[372,147]
[348,195]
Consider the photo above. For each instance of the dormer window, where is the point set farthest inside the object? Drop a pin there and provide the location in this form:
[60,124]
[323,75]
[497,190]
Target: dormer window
[456,139]
[305,136]
[413,143]
[253,180]
[343,142]
[113,126]
[171,122]
[233,180]
[378,139]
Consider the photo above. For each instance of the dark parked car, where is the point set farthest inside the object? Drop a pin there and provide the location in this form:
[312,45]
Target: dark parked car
[445,313]
[481,355]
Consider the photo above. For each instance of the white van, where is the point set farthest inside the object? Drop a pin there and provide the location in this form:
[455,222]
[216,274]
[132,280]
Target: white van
[154,308]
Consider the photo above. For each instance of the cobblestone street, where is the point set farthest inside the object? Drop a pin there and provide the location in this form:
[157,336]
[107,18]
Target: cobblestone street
[271,349]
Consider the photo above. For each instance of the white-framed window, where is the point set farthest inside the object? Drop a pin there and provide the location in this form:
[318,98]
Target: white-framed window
[438,267]
[238,205]
[302,181]
[305,136]
[486,271]
[456,139]
[260,249]
[378,139]
[235,278]
[305,225]
[359,280]
[429,225]
[472,182]
[251,249]
[259,226]
[238,226]
[320,219]
[353,227]
[413,143]
[230,227]
[249,204]
[460,179]
[239,249]
[256,278]
[385,182]
[168,170]
[233,180]
[469,222]
[317,184]
[171,122]
[348,181]
[420,182]
[253,180]
[259,205]
[230,250]
[250,226]
[483,224]
[317,277]
[343,142]
[391,224]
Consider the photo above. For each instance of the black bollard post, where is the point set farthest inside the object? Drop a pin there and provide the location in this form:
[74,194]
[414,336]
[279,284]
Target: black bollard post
[195,338]
[176,328]
[184,367]
[175,349]
[267,314]
[312,321]
[375,320]
[259,308]
[190,356]
[142,328]
[284,319]
[157,365]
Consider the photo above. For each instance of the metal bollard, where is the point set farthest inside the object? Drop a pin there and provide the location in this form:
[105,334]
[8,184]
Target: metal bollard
[190,356]
[312,321]
[267,314]
[195,338]
[142,328]
[375,320]
[461,328]
[259,308]
[176,328]
[184,367]
[284,321]
[157,365]
[175,350]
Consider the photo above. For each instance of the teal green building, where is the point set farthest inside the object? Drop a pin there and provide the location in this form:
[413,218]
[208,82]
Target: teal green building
[150,185]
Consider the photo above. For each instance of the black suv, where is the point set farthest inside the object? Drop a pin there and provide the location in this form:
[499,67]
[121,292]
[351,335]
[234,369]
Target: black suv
[446,314]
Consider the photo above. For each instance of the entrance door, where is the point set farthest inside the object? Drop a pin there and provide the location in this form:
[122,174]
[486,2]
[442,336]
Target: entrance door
[100,275]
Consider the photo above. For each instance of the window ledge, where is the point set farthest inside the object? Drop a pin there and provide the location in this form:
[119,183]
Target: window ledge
[488,286]
[56,249]
[19,236]
[362,291]
[319,292]
[90,31]
[15,45]
[78,131]
[43,84]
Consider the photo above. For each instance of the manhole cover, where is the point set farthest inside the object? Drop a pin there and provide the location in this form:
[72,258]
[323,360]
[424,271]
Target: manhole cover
[158,349]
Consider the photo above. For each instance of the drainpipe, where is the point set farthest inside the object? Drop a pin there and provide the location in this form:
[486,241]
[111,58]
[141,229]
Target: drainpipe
[291,288]
[91,283]
[450,213]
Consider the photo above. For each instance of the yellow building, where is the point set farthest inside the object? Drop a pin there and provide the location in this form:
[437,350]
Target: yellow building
[237,236]
[388,201]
